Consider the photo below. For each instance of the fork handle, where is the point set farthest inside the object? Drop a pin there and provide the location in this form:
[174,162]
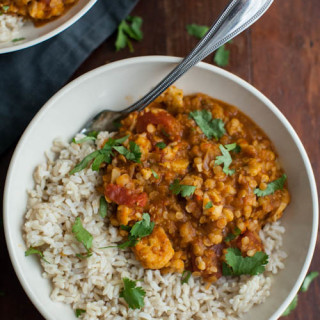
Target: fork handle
[235,18]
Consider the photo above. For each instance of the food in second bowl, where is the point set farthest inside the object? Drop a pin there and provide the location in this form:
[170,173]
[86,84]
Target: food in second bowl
[192,185]
[13,13]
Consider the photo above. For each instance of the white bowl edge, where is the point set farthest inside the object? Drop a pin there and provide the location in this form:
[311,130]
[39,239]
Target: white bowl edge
[223,73]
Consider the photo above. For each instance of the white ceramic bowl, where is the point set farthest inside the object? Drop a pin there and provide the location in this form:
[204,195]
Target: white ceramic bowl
[110,86]
[34,35]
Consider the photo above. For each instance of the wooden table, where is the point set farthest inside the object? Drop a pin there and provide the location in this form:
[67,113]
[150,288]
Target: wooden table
[279,55]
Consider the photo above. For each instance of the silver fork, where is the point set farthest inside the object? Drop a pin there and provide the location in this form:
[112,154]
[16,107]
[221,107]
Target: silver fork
[235,18]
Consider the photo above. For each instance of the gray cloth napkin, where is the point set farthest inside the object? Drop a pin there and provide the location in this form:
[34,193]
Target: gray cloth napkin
[28,78]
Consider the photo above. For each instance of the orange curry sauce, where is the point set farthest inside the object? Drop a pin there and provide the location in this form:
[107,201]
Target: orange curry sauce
[189,234]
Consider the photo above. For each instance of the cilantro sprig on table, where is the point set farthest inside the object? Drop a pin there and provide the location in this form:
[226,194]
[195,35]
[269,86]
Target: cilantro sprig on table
[212,128]
[33,250]
[133,295]
[272,187]
[83,236]
[130,28]
[237,265]
[304,287]
[138,231]
[222,54]
[226,159]
[184,189]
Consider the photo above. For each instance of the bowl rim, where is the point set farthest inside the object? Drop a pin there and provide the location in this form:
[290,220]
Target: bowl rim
[52,33]
[165,59]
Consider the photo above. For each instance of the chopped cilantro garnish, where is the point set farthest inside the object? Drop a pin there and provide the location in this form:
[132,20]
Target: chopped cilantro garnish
[103,208]
[130,28]
[225,159]
[79,312]
[308,279]
[210,127]
[83,236]
[161,145]
[291,306]
[272,187]
[17,39]
[237,265]
[185,276]
[155,174]
[133,295]
[99,156]
[85,139]
[233,147]
[134,154]
[138,231]
[197,30]
[33,250]
[231,236]
[183,189]
[208,205]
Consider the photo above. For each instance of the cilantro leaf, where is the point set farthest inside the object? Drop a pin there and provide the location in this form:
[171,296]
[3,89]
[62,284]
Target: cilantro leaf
[84,256]
[99,156]
[81,234]
[308,279]
[272,187]
[129,28]
[183,189]
[103,208]
[210,127]
[33,250]
[185,276]
[138,231]
[85,139]
[134,154]
[79,312]
[208,205]
[17,39]
[225,159]
[133,295]
[233,147]
[143,227]
[155,174]
[291,306]
[221,57]
[237,265]
[231,236]
[161,145]
[197,30]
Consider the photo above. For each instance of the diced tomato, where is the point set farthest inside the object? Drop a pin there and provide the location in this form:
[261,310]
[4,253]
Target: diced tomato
[122,195]
[165,120]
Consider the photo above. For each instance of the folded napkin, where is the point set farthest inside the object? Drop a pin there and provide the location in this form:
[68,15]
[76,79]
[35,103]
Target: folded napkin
[28,78]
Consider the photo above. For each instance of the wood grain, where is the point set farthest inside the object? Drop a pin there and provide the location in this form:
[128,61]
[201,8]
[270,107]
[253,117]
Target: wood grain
[279,55]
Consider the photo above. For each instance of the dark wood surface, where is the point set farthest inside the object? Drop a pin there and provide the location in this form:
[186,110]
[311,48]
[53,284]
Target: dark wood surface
[279,55]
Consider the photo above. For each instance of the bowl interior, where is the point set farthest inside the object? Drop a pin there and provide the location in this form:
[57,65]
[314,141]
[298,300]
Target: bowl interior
[34,35]
[115,86]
